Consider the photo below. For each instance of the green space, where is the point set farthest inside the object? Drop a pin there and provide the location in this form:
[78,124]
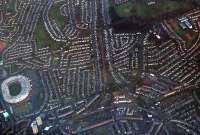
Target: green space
[1,57]
[188,35]
[10,6]
[43,38]
[124,10]
[55,61]
[14,68]
[14,88]
[54,13]
[194,36]
[140,8]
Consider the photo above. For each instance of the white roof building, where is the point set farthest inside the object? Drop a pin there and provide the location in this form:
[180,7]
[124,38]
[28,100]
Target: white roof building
[24,93]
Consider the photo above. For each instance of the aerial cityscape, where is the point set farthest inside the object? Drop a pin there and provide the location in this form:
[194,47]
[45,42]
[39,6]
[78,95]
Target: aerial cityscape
[99,67]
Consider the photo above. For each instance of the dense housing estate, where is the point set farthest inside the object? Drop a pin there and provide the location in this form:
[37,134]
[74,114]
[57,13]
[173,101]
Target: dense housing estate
[100,67]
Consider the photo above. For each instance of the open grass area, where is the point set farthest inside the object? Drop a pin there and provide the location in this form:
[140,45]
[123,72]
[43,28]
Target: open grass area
[14,88]
[194,36]
[43,38]
[141,9]
[124,10]
[14,68]
[10,6]
[54,13]
[1,57]
[188,35]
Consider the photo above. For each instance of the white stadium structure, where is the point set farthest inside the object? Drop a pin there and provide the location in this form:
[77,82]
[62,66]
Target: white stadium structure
[25,89]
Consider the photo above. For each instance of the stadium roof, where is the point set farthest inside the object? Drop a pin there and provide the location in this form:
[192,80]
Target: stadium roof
[25,89]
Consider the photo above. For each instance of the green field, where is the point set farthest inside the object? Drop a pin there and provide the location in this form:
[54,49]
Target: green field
[124,10]
[188,42]
[54,13]
[14,88]
[43,38]
[182,33]
[141,9]
[10,6]
[1,56]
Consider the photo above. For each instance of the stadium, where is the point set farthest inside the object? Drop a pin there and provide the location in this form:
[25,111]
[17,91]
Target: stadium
[16,89]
